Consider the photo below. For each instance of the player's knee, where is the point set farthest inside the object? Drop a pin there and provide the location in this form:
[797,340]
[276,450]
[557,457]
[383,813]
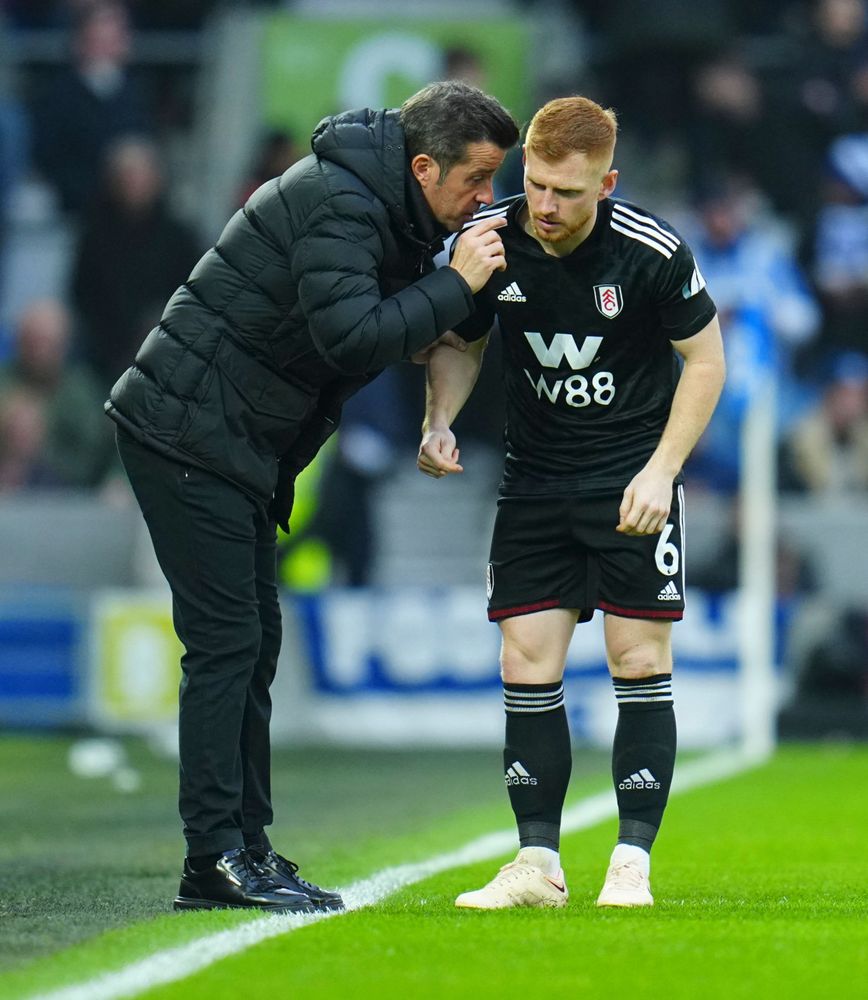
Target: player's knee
[516,665]
[641,660]
[519,665]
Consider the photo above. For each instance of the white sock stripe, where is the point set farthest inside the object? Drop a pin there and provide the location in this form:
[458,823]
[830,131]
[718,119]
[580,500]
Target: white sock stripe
[653,680]
[633,688]
[532,695]
[532,711]
[619,682]
[640,693]
[518,703]
[529,706]
[646,692]
[532,699]
[644,701]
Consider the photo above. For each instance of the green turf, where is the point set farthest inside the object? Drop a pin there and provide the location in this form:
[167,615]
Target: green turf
[760,885]
[78,858]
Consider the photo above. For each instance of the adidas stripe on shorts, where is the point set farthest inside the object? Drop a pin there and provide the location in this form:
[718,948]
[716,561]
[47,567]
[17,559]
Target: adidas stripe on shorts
[564,552]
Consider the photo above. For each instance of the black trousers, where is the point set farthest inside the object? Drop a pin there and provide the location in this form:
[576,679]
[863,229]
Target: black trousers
[218,551]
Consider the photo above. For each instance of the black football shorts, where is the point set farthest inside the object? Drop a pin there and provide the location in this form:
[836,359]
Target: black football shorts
[564,552]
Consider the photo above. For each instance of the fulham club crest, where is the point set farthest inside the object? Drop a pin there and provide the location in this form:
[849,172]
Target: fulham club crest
[609,300]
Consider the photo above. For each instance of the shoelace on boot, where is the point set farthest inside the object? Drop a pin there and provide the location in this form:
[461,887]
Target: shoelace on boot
[246,868]
[626,871]
[289,869]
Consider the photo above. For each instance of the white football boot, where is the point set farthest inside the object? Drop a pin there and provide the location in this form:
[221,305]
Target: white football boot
[628,878]
[519,883]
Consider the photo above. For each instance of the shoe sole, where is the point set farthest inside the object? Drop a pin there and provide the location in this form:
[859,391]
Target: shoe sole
[544,905]
[331,905]
[624,906]
[182,903]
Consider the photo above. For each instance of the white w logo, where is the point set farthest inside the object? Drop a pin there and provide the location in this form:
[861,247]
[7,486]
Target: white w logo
[563,345]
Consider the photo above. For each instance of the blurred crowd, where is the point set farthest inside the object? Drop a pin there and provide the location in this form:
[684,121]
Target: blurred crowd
[746,124]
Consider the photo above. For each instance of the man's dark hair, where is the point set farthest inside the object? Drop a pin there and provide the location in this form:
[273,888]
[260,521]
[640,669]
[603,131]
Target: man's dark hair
[442,118]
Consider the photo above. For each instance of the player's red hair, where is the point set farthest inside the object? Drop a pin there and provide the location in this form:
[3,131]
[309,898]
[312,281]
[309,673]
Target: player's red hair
[573,125]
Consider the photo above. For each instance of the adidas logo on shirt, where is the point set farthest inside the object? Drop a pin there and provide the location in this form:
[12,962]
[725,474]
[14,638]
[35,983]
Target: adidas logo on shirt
[669,593]
[512,293]
[517,774]
[639,780]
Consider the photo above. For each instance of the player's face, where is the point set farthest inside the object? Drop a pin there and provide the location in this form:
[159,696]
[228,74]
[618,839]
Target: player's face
[562,196]
[455,197]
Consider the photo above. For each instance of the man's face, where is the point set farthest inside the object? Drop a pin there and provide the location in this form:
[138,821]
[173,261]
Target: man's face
[562,196]
[456,197]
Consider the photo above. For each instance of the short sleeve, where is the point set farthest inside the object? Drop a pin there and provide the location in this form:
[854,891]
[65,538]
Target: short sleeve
[683,303]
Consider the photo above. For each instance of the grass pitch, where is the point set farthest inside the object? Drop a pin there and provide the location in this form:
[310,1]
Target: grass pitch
[760,884]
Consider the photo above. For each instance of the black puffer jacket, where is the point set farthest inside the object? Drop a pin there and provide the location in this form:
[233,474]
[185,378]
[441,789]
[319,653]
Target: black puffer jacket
[320,281]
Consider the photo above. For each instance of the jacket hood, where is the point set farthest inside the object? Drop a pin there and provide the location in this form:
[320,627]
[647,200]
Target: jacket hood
[370,144]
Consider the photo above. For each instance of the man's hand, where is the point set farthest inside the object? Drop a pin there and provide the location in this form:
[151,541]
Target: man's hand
[479,252]
[449,339]
[646,503]
[438,454]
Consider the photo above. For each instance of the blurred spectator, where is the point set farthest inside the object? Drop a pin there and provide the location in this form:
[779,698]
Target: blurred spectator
[749,264]
[182,15]
[22,439]
[13,162]
[827,450]
[818,92]
[837,665]
[650,52]
[56,410]
[766,313]
[718,572]
[831,66]
[830,699]
[840,246]
[463,63]
[276,153]
[87,105]
[371,425]
[733,130]
[38,13]
[132,254]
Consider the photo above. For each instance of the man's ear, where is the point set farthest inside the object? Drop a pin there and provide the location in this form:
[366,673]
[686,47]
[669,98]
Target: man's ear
[425,169]
[608,185]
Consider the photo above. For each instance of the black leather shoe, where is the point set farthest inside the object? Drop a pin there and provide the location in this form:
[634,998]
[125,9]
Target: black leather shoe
[237,881]
[285,873]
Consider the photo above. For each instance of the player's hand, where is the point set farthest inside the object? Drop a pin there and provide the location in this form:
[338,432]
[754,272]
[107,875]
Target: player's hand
[448,339]
[438,454]
[646,504]
[479,252]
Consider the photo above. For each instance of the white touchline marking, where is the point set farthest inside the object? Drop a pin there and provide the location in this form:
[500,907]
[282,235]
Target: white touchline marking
[179,963]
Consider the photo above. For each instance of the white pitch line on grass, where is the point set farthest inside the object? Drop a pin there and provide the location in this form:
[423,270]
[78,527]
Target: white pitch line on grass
[178,963]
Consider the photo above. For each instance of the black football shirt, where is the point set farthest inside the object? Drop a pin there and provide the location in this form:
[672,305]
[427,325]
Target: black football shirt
[588,367]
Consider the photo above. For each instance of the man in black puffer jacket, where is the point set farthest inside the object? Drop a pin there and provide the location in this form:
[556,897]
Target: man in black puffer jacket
[322,279]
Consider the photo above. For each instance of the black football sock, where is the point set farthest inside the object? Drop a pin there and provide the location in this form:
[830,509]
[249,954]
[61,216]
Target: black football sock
[538,760]
[201,862]
[643,756]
